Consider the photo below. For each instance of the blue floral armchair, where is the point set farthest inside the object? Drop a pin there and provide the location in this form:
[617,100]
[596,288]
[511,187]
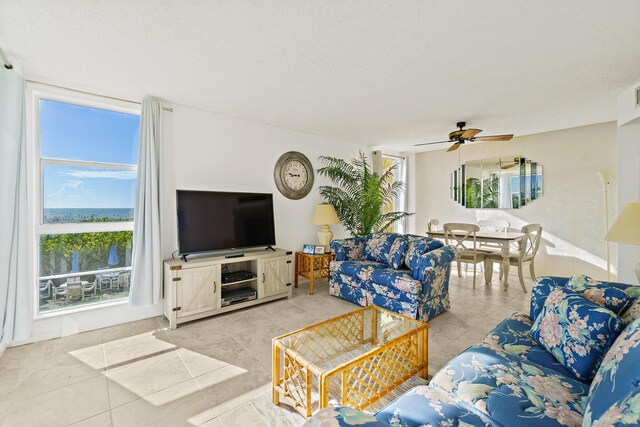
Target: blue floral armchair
[511,380]
[407,274]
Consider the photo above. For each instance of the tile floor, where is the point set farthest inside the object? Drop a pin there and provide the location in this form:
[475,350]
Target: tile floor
[213,372]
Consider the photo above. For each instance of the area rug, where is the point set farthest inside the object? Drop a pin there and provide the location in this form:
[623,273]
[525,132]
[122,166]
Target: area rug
[284,415]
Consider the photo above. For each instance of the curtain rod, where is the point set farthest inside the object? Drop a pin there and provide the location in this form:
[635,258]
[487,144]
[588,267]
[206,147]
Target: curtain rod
[7,64]
[94,94]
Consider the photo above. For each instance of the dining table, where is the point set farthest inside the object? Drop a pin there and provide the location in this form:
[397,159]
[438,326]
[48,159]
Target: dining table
[503,239]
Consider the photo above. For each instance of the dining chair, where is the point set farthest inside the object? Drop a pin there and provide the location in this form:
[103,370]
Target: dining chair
[45,289]
[456,234]
[87,287]
[123,280]
[433,224]
[59,291]
[495,226]
[114,281]
[101,282]
[528,248]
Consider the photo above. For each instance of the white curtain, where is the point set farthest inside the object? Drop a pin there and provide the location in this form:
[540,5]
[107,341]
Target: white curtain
[506,201]
[14,283]
[146,274]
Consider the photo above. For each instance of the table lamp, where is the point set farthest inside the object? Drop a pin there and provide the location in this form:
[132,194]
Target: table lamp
[324,215]
[626,229]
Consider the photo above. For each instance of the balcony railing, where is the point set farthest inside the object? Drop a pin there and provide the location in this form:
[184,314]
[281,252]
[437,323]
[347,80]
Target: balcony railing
[66,290]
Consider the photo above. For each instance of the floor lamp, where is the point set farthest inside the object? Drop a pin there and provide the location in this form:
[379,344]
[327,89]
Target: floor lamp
[605,186]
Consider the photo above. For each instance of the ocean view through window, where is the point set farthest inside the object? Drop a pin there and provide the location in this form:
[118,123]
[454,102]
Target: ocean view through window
[88,167]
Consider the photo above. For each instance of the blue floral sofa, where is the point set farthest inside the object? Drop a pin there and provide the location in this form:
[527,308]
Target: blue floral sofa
[513,379]
[407,274]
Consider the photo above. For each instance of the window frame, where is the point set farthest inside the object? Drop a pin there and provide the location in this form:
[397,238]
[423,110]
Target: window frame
[35,171]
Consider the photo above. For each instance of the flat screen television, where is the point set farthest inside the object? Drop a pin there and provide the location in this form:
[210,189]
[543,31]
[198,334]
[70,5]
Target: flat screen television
[214,221]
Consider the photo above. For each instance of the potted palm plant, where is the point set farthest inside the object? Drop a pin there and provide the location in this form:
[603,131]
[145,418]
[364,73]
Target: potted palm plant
[360,196]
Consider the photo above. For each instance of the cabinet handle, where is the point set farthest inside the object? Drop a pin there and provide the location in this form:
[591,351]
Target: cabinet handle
[262,277]
[215,285]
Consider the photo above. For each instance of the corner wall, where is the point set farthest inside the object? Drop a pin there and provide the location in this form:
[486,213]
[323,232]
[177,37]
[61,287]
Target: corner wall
[571,210]
[208,151]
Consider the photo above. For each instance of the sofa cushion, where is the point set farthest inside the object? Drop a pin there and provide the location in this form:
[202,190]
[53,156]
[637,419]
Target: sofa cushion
[513,336]
[614,399]
[632,313]
[401,280]
[614,296]
[397,252]
[576,331]
[426,406]
[511,391]
[377,246]
[361,269]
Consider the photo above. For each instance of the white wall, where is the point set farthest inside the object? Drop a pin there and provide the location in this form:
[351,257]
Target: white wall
[207,151]
[571,210]
[629,171]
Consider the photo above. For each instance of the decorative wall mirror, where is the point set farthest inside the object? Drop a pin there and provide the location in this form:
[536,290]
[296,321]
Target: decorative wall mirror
[499,183]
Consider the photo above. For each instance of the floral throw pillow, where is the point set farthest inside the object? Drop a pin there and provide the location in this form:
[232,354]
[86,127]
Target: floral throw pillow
[397,252]
[377,246]
[632,312]
[602,293]
[576,331]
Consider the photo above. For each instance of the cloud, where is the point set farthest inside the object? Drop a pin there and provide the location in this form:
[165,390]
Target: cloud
[104,174]
[70,183]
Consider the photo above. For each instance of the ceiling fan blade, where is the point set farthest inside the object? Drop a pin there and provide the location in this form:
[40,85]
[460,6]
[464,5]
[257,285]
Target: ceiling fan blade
[454,147]
[508,166]
[470,133]
[430,143]
[493,138]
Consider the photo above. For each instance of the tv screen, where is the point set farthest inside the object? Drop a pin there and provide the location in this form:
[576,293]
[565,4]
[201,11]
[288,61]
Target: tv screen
[212,220]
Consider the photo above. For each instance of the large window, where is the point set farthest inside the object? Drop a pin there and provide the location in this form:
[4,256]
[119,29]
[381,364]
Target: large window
[87,175]
[398,204]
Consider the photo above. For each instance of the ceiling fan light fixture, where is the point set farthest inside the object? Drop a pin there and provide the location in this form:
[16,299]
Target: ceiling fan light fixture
[460,136]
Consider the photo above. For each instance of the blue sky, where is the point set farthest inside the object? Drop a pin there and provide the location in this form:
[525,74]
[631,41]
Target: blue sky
[75,132]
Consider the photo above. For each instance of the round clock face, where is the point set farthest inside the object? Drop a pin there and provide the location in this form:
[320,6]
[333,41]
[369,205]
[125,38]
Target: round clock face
[294,175]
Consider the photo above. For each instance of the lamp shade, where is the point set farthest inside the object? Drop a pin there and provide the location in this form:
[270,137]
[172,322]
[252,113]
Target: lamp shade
[626,229]
[324,214]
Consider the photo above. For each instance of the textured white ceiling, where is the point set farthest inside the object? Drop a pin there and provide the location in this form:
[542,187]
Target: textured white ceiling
[388,73]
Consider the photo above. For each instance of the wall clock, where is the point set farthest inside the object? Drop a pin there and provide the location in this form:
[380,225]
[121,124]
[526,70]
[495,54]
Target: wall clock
[293,174]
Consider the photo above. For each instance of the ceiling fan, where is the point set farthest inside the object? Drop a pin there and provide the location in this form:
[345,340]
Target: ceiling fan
[508,164]
[460,136]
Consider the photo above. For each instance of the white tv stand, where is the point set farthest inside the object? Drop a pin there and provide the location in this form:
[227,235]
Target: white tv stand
[192,289]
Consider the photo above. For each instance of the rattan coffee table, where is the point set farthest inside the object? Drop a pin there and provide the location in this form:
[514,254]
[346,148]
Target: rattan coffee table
[357,358]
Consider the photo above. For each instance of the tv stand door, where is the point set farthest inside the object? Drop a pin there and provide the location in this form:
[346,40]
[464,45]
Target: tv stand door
[275,277]
[197,290]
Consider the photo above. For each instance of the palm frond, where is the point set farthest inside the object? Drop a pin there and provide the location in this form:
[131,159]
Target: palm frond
[360,195]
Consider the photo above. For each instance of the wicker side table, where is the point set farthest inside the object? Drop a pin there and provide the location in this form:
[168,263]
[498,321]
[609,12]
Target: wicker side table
[307,265]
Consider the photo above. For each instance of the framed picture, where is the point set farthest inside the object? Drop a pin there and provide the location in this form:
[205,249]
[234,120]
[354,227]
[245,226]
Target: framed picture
[308,249]
[319,250]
